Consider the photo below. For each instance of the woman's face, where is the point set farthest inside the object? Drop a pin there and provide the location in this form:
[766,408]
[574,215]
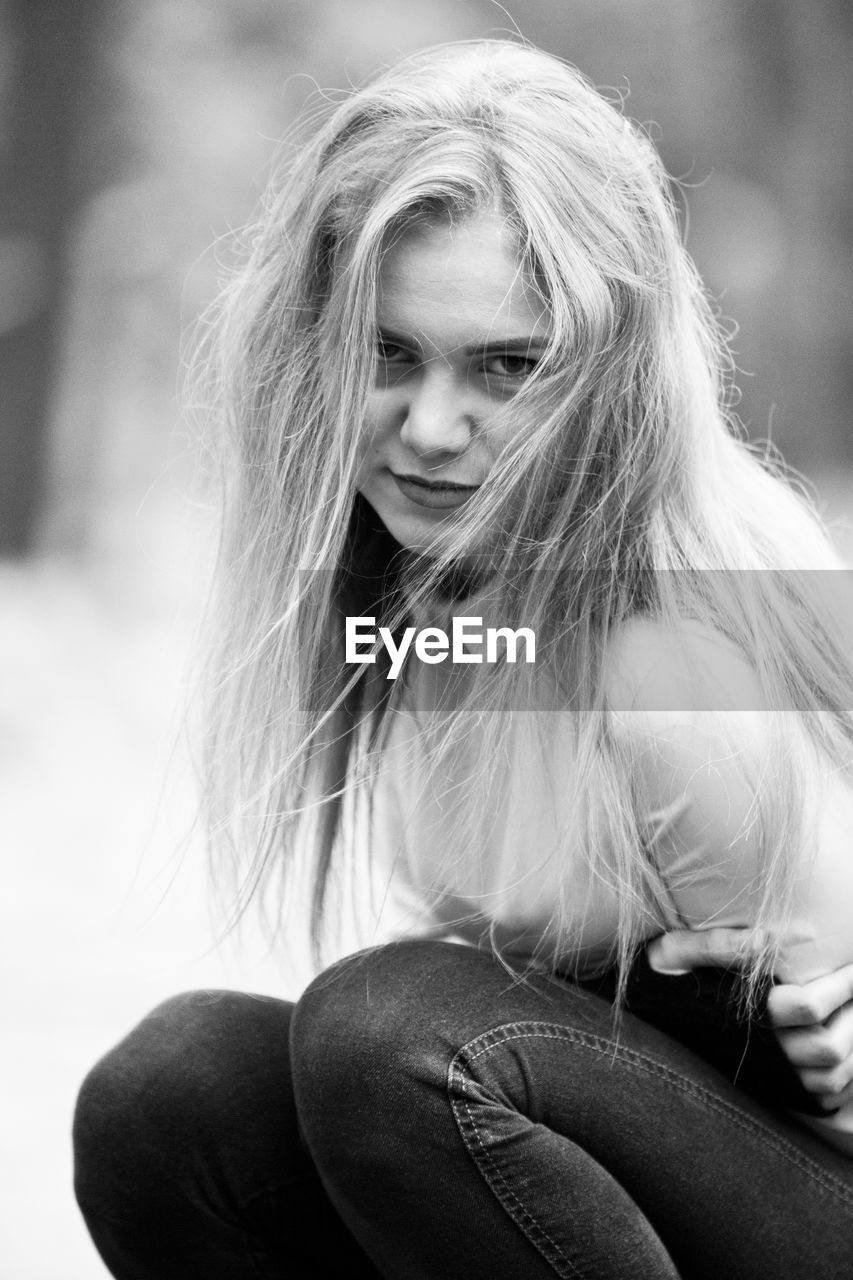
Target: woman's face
[459,330]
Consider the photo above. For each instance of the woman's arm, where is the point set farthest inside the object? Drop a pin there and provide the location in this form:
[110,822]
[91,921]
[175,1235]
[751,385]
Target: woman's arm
[699,779]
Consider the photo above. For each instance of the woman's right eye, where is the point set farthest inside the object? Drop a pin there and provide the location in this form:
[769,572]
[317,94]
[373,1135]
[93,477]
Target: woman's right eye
[391,353]
[391,362]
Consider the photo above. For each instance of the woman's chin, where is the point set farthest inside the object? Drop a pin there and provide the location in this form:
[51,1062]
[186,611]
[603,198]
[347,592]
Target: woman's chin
[458,578]
[433,537]
[421,536]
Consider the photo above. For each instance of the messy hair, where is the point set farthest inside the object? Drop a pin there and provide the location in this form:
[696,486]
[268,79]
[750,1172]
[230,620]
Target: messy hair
[624,488]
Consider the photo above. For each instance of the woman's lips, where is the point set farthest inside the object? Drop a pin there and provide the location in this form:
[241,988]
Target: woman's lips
[431,493]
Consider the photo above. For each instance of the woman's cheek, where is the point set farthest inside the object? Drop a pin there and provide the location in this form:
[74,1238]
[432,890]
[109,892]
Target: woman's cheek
[370,434]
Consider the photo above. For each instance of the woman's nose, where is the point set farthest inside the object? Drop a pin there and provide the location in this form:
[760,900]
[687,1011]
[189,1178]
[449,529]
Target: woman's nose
[439,415]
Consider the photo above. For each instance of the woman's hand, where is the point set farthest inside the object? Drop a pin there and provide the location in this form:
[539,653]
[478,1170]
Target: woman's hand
[813,1021]
[814,1026]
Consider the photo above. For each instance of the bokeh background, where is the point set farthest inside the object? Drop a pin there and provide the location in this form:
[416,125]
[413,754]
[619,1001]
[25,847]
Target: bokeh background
[135,137]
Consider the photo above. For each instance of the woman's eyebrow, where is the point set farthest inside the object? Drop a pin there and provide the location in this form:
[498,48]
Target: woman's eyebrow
[394,338]
[527,342]
[517,342]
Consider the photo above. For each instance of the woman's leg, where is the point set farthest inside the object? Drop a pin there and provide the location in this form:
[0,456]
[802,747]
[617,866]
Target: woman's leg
[467,1125]
[188,1162]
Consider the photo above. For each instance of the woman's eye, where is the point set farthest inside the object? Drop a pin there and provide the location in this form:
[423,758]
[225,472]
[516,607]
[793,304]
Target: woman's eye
[507,365]
[391,362]
[390,353]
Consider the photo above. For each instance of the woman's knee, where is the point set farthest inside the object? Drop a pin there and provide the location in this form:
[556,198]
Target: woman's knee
[362,1014]
[413,996]
[167,1091]
[389,1022]
[374,1036]
[370,1063]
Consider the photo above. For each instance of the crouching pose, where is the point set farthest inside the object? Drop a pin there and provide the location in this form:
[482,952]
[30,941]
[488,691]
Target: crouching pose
[581,1002]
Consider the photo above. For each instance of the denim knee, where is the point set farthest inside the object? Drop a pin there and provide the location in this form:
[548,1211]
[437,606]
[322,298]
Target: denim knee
[144,1107]
[372,1040]
[371,1010]
[370,1066]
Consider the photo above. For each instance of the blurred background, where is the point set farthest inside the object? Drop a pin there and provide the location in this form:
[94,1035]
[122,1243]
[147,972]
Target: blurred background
[135,136]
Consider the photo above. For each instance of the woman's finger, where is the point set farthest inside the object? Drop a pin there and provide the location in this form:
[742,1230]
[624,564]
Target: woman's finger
[792,1005]
[827,1045]
[835,1100]
[833,1088]
[684,949]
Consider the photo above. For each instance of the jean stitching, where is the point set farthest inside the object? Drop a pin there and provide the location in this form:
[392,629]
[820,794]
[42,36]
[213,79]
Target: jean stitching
[533,1229]
[828,1182]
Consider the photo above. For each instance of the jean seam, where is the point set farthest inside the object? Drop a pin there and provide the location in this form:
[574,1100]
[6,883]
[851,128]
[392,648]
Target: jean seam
[494,1038]
[522,1216]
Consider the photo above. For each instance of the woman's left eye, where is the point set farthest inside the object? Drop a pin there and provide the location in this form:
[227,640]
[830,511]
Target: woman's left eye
[505,364]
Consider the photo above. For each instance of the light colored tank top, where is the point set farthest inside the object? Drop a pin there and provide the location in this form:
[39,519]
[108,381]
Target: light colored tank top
[697,775]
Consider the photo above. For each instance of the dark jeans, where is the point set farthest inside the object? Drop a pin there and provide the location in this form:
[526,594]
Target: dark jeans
[420,1114]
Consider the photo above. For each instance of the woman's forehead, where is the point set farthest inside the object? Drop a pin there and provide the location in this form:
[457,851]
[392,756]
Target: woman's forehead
[461,283]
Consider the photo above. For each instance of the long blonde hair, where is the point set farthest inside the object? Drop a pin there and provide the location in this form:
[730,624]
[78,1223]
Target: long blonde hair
[628,488]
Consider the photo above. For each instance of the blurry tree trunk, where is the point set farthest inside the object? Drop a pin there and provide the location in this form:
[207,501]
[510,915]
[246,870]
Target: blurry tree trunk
[41,187]
[804,152]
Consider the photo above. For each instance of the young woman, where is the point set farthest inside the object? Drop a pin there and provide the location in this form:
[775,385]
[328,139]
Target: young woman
[469,373]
